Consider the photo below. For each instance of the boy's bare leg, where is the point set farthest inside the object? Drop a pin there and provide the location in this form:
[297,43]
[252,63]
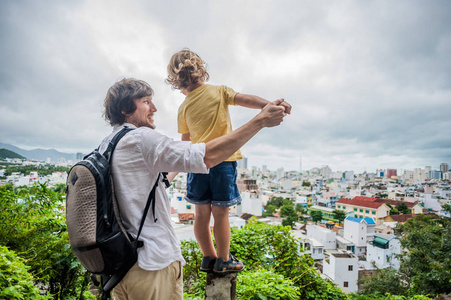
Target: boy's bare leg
[222,231]
[202,230]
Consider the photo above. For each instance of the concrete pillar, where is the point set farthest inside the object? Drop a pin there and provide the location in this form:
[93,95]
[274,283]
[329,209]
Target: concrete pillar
[220,287]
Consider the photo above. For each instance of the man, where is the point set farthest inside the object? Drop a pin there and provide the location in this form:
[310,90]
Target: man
[139,158]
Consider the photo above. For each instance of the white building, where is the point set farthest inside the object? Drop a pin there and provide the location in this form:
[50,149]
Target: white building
[359,231]
[179,204]
[323,235]
[251,203]
[309,245]
[382,251]
[342,268]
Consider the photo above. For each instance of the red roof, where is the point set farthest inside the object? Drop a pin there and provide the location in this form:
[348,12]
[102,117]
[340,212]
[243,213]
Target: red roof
[364,198]
[186,216]
[396,202]
[402,218]
[358,201]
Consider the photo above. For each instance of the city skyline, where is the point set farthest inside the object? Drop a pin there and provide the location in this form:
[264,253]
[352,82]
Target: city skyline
[366,92]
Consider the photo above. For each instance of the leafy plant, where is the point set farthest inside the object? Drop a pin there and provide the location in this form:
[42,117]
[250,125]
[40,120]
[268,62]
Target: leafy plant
[15,281]
[265,284]
[32,224]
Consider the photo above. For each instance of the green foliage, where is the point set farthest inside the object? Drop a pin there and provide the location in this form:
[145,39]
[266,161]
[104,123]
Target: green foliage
[428,261]
[316,215]
[273,264]
[193,280]
[32,224]
[300,208]
[15,281]
[269,210]
[5,153]
[402,208]
[59,188]
[290,215]
[263,246]
[265,284]
[286,202]
[306,183]
[276,201]
[339,215]
[43,170]
[394,211]
[287,210]
[385,281]
[379,296]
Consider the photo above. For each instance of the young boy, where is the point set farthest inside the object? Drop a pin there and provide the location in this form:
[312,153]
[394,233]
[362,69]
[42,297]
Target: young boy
[203,116]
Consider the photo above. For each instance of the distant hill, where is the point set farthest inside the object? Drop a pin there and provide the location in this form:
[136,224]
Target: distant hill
[39,154]
[5,153]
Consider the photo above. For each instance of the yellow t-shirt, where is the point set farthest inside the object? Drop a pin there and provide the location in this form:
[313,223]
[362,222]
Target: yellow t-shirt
[205,114]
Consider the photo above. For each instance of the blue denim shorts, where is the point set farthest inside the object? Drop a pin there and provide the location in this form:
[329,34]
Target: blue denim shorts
[216,188]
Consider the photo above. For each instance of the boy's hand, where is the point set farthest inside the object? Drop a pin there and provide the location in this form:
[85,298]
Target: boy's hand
[273,113]
[284,104]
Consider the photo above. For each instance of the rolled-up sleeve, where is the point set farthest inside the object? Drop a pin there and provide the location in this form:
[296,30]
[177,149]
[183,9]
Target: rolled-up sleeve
[164,154]
[196,160]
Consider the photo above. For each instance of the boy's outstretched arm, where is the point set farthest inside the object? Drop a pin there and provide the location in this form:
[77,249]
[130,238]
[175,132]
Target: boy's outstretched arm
[219,149]
[252,101]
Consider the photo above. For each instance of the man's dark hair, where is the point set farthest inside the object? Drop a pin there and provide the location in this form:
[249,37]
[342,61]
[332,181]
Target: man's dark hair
[120,98]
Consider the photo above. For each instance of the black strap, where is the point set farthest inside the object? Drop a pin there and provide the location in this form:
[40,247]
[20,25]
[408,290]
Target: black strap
[108,283]
[113,143]
[150,199]
[165,179]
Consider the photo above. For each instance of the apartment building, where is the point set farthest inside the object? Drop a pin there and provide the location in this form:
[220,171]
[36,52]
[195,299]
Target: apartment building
[322,235]
[342,268]
[359,231]
[364,207]
[383,251]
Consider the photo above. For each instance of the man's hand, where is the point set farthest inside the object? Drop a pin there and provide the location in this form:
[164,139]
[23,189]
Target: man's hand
[284,104]
[273,113]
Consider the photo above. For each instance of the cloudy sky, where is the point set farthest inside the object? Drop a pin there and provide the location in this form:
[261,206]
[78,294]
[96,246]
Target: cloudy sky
[369,81]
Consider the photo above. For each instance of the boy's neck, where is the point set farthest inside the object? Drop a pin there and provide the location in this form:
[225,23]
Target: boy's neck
[192,87]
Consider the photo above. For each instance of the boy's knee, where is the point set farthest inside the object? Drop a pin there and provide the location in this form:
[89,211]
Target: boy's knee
[219,211]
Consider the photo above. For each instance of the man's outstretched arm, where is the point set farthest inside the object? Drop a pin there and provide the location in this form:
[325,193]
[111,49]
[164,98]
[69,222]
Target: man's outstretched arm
[221,148]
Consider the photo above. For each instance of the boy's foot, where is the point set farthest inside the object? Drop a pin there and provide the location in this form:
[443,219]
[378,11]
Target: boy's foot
[233,265]
[207,264]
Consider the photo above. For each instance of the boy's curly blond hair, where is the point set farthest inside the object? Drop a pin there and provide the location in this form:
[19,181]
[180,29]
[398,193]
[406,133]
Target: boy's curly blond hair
[185,68]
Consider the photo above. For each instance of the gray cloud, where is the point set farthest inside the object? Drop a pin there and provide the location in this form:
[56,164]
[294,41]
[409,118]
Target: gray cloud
[369,81]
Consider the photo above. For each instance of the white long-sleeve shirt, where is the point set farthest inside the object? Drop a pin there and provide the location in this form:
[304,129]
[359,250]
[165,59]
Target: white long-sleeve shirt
[137,161]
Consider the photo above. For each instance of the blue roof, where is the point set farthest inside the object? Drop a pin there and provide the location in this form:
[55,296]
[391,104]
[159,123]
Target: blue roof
[369,221]
[359,220]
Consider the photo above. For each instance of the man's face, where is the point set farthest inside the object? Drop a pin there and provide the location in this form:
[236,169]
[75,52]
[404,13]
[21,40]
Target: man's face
[143,115]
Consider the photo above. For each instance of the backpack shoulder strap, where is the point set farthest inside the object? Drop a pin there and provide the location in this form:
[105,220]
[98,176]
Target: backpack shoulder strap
[113,143]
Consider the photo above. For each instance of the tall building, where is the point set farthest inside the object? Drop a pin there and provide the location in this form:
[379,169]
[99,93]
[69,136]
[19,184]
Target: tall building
[300,164]
[435,174]
[391,172]
[427,169]
[242,163]
[444,168]
[78,156]
[326,172]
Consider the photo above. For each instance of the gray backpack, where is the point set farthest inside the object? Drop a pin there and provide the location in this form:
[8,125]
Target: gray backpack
[96,233]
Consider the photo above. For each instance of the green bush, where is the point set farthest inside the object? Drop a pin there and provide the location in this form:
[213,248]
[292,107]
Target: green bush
[267,252]
[265,284]
[15,281]
[33,225]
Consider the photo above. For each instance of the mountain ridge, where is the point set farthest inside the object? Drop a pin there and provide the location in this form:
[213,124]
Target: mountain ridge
[40,154]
